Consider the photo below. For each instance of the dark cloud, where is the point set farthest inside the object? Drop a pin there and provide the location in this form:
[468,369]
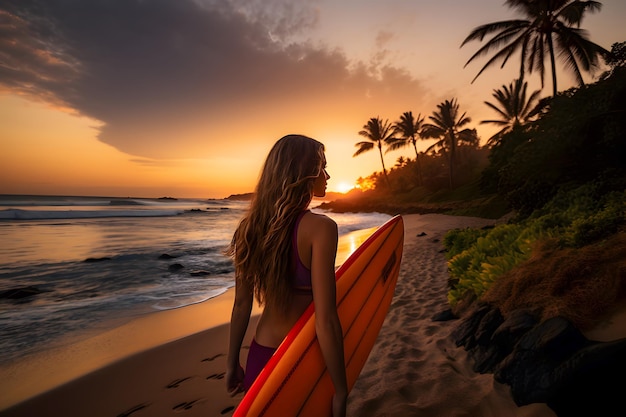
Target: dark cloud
[150,69]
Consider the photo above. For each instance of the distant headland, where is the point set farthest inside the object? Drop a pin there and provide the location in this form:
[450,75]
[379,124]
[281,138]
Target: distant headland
[248,196]
[240,197]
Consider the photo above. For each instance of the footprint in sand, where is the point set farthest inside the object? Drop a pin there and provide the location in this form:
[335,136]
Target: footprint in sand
[133,409]
[187,405]
[227,410]
[176,383]
[212,358]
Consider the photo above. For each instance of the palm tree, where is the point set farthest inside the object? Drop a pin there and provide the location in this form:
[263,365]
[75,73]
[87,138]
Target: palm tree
[409,130]
[377,132]
[401,161]
[513,107]
[547,30]
[447,127]
[617,60]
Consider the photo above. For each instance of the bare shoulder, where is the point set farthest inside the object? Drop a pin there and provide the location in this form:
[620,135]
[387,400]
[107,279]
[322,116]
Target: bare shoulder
[321,220]
[320,224]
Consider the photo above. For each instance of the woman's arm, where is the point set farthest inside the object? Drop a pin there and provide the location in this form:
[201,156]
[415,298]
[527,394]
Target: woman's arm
[327,324]
[240,317]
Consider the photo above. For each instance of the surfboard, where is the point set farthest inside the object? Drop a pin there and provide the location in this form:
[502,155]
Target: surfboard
[295,381]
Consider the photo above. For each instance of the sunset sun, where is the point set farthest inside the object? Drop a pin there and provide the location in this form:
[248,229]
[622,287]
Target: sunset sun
[344,187]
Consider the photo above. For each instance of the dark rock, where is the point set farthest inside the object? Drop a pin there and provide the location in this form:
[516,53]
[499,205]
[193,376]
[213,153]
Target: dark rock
[20,293]
[464,334]
[486,358]
[445,315]
[589,382]
[175,267]
[513,328]
[531,369]
[549,362]
[557,337]
[496,339]
[484,353]
[166,256]
[199,273]
[104,258]
[487,326]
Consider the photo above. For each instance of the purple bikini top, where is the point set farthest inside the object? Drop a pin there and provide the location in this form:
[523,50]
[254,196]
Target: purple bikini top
[302,274]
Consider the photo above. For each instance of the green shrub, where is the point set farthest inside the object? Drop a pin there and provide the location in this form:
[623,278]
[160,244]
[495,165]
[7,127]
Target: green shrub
[478,257]
[491,255]
[458,240]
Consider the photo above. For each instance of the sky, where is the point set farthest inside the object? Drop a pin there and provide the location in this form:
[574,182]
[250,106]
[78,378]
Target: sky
[184,98]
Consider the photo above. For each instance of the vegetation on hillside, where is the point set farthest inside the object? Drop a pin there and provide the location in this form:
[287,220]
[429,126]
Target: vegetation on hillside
[558,164]
[565,177]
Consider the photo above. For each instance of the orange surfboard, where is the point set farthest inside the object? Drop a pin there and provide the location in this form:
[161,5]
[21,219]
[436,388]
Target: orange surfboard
[295,381]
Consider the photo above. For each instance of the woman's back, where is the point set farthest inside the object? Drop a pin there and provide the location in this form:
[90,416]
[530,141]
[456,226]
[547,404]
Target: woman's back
[274,324]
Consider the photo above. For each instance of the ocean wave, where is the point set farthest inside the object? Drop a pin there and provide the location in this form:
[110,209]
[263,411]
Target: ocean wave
[61,201]
[187,299]
[18,214]
[126,202]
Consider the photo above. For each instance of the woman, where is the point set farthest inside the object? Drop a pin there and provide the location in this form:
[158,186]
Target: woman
[284,256]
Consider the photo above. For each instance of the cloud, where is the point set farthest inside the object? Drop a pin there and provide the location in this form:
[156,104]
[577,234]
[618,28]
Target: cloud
[32,63]
[171,78]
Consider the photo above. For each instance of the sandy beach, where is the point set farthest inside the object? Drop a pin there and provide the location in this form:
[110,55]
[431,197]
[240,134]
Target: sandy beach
[415,368]
[173,362]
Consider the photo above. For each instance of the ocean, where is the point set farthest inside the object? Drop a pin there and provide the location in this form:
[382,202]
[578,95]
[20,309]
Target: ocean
[75,266]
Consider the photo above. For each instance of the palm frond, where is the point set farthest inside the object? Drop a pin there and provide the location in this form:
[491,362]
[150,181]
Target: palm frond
[363,147]
[396,144]
[533,36]
[573,12]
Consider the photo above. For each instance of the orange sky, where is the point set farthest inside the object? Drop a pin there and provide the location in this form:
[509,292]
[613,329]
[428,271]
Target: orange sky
[170,98]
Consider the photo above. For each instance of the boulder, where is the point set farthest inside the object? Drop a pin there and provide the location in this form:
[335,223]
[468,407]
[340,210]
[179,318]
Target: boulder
[547,362]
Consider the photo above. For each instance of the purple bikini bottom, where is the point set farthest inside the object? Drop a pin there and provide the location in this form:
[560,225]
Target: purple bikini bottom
[258,356]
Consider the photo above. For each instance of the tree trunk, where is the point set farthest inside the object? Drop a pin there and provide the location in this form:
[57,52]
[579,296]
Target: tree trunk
[382,160]
[553,64]
[452,157]
[418,162]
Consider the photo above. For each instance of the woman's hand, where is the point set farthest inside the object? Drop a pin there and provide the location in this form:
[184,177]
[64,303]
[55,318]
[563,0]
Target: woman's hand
[234,381]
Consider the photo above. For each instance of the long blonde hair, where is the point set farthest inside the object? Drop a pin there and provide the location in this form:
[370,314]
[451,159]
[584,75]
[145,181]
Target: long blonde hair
[261,247]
